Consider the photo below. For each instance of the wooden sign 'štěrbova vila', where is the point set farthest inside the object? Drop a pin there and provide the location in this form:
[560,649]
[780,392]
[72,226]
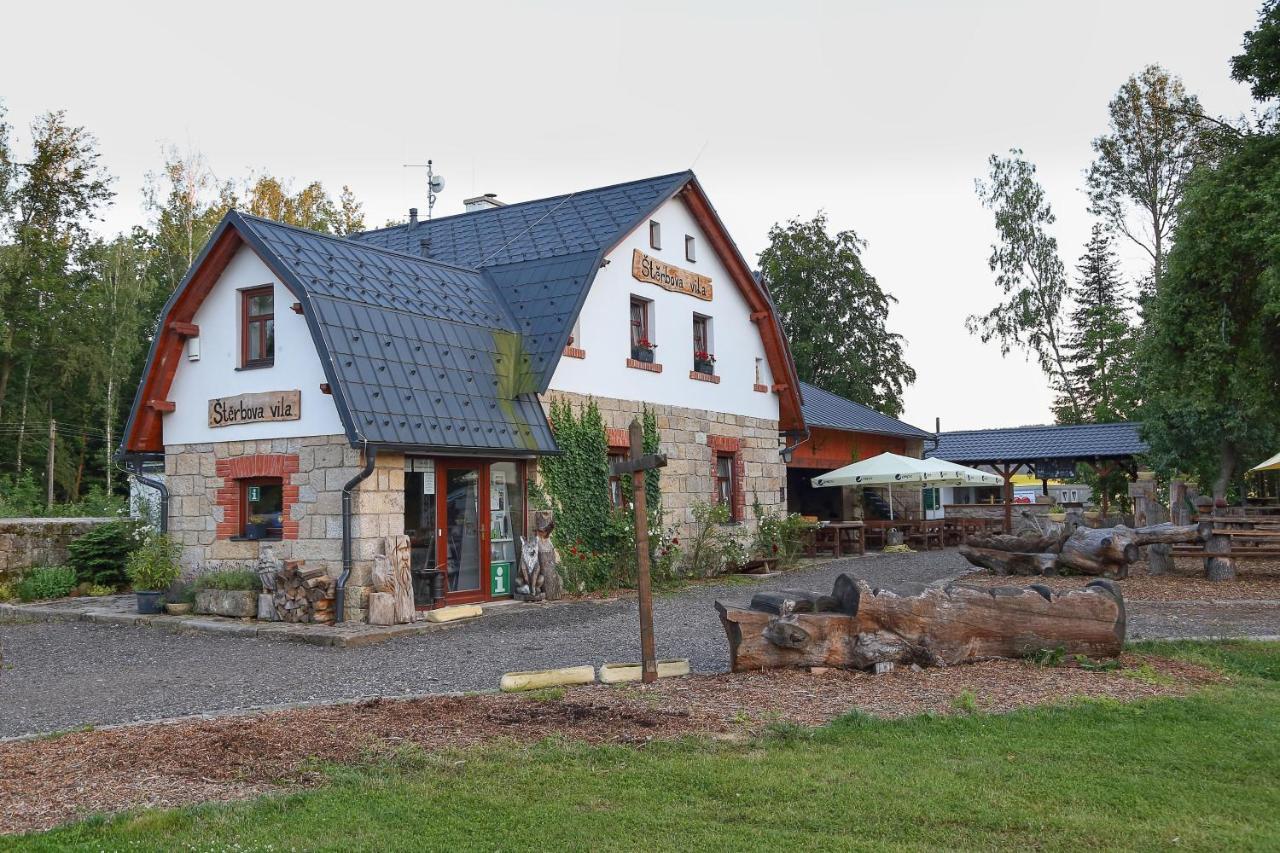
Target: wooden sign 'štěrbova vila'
[255,408]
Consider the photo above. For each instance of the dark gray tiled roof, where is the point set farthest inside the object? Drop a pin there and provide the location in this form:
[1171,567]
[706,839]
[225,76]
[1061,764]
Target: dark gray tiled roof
[1084,441]
[585,221]
[824,409]
[421,353]
[542,254]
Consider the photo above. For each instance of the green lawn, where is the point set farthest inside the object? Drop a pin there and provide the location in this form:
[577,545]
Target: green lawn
[1198,773]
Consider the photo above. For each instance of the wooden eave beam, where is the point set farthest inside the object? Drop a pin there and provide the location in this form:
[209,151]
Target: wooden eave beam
[162,406]
[184,330]
[146,434]
[790,415]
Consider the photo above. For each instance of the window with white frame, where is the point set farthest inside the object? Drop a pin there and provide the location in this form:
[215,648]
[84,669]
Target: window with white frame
[690,251]
[655,234]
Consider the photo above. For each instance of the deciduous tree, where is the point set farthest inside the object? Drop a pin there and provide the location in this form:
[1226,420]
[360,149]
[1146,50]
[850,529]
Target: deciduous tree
[835,314]
[1028,272]
[1157,135]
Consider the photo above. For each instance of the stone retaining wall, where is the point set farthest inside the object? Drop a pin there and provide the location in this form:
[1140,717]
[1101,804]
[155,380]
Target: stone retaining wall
[690,437]
[28,542]
[201,478]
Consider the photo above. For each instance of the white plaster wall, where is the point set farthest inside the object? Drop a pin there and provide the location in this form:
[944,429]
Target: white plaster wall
[297,365]
[605,331]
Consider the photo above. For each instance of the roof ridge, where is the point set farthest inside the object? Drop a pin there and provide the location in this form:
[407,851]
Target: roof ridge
[688,172]
[1037,426]
[346,241]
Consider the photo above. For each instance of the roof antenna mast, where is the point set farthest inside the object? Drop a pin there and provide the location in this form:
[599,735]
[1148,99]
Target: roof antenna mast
[435,183]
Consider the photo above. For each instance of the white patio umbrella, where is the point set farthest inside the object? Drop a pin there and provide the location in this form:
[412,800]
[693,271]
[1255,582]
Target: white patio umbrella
[890,469]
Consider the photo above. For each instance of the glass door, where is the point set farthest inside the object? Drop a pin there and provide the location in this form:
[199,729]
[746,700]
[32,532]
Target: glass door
[463,529]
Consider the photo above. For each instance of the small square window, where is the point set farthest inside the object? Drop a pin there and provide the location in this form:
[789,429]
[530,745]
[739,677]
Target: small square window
[655,234]
[262,508]
[690,253]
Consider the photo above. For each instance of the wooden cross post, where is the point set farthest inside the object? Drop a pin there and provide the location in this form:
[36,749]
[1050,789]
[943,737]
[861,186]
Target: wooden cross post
[636,465]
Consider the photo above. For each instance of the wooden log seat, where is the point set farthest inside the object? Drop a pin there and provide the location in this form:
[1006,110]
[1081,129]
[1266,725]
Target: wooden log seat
[857,626]
[1102,551]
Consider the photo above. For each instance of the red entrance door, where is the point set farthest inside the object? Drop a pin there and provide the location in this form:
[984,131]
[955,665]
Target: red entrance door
[462,510]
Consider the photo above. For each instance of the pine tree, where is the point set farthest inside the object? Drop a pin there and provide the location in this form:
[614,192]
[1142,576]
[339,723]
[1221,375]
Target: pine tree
[1100,344]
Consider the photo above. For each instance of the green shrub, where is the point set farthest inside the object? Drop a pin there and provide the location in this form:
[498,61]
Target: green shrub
[230,579]
[46,582]
[98,590]
[780,537]
[153,565]
[714,546]
[8,590]
[99,556]
[22,497]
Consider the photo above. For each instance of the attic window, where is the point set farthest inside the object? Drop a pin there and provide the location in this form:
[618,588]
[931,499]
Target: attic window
[655,234]
[257,327]
[689,252]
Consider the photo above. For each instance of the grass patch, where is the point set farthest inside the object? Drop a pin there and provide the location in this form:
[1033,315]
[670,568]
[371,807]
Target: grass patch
[1195,773]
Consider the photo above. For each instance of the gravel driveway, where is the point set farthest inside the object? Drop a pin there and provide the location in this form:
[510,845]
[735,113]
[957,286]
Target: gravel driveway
[62,675]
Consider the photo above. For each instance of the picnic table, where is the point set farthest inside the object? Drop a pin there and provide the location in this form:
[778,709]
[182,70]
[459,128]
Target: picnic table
[928,533]
[838,537]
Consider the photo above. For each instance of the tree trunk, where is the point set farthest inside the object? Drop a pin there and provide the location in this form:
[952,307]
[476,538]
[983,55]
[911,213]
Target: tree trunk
[1004,562]
[932,627]
[1106,551]
[1226,470]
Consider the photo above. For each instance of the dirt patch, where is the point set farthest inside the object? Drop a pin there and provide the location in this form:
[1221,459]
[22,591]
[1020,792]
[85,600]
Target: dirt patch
[1255,581]
[50,781]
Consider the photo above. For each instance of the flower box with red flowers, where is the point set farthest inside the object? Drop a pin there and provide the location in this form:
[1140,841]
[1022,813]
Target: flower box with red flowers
[704,362]
[642,350]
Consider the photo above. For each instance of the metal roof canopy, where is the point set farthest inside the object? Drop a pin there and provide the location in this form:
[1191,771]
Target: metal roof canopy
[1092,443]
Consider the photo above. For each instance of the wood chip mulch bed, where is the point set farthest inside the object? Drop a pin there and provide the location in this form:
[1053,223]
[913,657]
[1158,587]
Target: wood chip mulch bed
[48,781]
[1255,581]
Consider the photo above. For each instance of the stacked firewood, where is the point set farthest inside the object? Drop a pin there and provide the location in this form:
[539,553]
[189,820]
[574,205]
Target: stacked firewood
[302,594]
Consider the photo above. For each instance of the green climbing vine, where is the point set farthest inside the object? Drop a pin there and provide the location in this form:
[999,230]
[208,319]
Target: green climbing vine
[595,540]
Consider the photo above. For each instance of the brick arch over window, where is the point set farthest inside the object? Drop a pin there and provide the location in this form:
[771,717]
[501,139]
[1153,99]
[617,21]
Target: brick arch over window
[238,468]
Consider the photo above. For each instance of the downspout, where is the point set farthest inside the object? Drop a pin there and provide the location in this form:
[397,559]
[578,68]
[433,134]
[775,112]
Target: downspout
[159,486]
[370,459]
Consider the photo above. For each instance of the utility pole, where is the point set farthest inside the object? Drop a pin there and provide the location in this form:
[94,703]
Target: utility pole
[48,465]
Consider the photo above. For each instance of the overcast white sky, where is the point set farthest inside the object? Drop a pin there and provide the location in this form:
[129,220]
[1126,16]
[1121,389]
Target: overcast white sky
[881,113]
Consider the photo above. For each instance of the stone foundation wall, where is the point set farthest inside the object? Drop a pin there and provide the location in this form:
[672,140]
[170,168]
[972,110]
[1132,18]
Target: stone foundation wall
[201,514]
[689,438]
[29,542]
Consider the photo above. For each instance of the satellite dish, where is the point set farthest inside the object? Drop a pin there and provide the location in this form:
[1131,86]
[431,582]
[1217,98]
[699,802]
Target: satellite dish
[437,183]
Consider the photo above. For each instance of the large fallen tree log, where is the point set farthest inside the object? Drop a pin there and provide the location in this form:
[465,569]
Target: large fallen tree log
[1104,551]
[858,626]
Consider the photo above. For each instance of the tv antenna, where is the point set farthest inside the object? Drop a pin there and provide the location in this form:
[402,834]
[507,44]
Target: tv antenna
[435,183]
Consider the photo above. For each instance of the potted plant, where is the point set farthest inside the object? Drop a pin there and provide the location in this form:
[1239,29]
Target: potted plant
[642,350]
[151,568]
[255,527]
[1092,514]
[704,362]
[228,592]
[1058,513]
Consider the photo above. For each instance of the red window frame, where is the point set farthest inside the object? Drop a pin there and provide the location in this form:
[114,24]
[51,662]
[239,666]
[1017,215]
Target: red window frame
[266,356]
[701,334]
[640,322]
[245,483]
[724,485]
[617,495]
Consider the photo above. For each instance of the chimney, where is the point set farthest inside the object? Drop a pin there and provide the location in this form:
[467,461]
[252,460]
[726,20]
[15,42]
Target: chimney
[488,201]
[413,216]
